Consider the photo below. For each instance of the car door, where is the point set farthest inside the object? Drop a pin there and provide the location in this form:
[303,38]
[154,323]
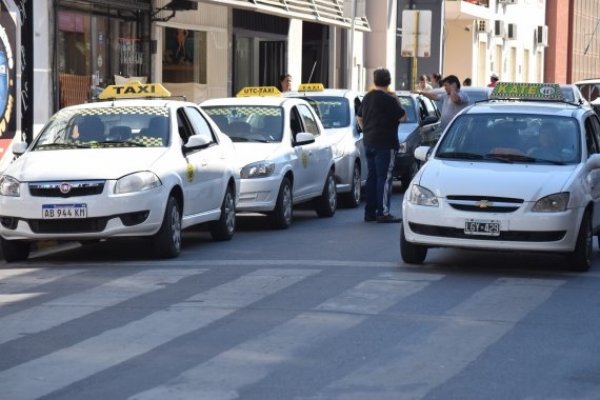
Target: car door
[430,123]
[592,132]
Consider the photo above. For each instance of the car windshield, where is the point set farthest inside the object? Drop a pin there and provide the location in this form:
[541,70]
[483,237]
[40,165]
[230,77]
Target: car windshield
[105,127]
[589,90]
[333,111]
[248,123]
[409,106]
[540,139]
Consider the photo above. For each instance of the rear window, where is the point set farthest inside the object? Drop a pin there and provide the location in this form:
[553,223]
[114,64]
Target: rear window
[248,123]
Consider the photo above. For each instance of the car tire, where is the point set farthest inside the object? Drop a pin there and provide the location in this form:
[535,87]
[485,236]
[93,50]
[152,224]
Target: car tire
[353,198]
[282,215]
[326,204]
[15,250]
[410,172]
[224,228]
[581,257]
[411,253]
[167,241]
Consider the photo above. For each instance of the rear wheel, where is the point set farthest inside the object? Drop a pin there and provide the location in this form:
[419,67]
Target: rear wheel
[352,199]
[15,250]
[281,217]
[581,257]
[326,204]
[224,227]
[411,253]
[167,241]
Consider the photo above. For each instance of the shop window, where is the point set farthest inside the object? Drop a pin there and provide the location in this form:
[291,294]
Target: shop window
[184,56]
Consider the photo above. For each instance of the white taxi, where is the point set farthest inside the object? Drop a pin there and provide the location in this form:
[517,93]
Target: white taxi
[521,172]
[116,168]
[282,154]
[337,110]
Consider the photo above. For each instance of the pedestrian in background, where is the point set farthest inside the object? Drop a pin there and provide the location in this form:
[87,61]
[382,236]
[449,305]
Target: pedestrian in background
[453,101]
[467,82]
[378,117]
[494,78]
[423,83]
[436,80]
[285,83]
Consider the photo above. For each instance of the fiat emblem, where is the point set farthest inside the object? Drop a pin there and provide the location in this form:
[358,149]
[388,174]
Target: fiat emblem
[65,188]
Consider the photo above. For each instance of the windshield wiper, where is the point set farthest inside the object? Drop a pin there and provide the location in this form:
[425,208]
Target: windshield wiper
[136,144]
[458,155]
[543,160]
[505,158]
[61,146]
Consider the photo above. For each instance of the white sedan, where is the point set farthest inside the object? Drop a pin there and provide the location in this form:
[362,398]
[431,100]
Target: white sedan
[282,154]
[509,175]
[120,168]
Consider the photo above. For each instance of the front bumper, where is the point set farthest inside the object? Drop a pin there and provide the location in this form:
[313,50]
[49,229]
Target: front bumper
[259,194]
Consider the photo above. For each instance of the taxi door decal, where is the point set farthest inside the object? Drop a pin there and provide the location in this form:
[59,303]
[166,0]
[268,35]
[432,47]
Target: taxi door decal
[304,159]
[190,172]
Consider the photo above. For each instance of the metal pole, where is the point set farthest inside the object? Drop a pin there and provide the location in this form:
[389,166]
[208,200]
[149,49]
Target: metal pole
[416,52]
[350,77]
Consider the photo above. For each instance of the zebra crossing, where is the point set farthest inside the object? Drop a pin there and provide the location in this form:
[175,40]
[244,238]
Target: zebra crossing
[286,333]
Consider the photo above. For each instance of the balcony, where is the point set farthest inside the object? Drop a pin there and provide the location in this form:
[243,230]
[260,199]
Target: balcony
[468,9]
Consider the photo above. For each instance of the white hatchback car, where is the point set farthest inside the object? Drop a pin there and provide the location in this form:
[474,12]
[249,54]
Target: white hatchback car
[509,175]
[282,154]
[120,168]
[337,110]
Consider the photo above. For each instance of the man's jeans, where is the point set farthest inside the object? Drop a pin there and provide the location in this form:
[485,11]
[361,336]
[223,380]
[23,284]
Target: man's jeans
[380,163]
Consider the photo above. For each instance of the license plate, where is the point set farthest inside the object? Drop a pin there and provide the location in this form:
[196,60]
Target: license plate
[484,228]
[64,211]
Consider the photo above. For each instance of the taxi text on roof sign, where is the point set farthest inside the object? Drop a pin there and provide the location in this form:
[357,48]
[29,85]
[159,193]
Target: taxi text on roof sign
[527,91]
[134,89]
[258,91]
[311,87]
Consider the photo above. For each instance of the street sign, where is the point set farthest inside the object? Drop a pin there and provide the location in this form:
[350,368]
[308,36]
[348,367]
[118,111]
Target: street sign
[416,33]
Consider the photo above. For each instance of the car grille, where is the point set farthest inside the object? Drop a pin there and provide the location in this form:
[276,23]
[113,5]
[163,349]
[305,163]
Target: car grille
[511,236]
[484,203]
[84,225]
[66,188]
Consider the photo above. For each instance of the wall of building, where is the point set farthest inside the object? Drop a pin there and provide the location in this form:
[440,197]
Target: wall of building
[380,43]
[586,40]
[558,51]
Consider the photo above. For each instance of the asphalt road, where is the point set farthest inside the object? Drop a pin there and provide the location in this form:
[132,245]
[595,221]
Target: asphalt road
[324,310]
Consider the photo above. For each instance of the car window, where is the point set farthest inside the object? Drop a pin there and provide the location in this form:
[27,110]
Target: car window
[591,135]
[430,107]
[183,126]
[309,121]
[512,138]
[333,111]
[199,124]
[589,90]
[408,105]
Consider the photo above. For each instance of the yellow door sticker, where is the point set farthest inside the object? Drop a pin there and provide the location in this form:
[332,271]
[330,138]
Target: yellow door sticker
[190,172]
[304,159]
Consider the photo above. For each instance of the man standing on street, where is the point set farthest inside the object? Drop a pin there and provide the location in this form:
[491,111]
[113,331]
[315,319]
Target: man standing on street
[453,100]
[378,117]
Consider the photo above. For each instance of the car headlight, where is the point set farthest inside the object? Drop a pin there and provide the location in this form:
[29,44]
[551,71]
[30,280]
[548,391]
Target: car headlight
[137,182]
[9,186]
[554,203]
[403,147]
[421,196]
[257,170]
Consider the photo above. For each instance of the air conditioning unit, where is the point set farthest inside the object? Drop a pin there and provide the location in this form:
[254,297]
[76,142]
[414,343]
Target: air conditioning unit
[511,31]
[508,1]
[541,35]
[481,25]
[498,28]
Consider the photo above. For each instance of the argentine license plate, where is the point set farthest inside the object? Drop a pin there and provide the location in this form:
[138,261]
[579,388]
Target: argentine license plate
[482,227]
[64,211]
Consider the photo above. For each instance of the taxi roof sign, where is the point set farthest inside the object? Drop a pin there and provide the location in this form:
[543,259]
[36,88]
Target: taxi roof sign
[134,89]
[527,91]
[311,87]
[262,91]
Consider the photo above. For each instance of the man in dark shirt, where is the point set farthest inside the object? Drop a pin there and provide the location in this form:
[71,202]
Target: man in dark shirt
[378,117]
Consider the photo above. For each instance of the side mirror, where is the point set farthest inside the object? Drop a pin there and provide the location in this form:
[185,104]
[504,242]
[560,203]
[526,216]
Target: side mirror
[19,148]
[304,138]
[196,142]
[422,153]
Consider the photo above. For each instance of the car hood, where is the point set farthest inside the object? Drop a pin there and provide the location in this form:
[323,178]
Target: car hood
[405,129]
[524,181]
[246,153]
[51,165]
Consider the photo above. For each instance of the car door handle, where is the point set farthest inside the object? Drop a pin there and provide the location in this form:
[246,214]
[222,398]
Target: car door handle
[203,163]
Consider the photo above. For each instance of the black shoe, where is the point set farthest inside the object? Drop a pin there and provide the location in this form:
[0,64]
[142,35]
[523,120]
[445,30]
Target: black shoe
[388,218]
[370,218]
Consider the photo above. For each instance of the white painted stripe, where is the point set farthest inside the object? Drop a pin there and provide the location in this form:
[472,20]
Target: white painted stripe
[53,313]
[15,284]
[6,299]
[458,341]
[223,376]
[112,347]
[6,273]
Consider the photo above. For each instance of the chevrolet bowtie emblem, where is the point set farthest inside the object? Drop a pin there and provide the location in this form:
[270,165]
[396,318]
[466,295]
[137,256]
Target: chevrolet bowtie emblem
[483,204]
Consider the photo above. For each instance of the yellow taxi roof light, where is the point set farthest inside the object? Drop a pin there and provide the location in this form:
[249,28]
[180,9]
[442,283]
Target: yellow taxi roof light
[527,91]
[134,89]
[263,91]
[311,87]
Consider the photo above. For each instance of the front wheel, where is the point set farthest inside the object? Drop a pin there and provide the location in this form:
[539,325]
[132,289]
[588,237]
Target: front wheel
[581,257]
[15,250]
[281,217]
[224,228]
[411,253]
[167,241]
[326,204]
[352,199]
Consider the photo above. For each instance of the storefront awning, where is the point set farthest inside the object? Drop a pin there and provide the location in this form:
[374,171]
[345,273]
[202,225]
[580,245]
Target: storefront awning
[329,12]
